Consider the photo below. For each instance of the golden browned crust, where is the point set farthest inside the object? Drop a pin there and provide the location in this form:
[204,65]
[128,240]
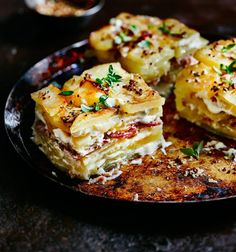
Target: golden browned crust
[173,177]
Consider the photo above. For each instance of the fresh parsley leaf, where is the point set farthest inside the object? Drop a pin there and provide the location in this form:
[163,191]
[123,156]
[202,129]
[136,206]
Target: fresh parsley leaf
[66,93]
[228,47]
[144,43]
[164,29]
[86,108]
[195,151]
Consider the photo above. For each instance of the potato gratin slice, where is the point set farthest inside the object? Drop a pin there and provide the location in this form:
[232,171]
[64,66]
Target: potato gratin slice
[97,120]
[146,45]
[206,92]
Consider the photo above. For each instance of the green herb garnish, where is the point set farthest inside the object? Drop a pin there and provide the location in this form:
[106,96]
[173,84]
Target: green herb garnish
[144,43]
[122,37]
[103,100]
[229,82]
[164,29]
[102,103]
[66,93]
[99,81]
[194,151]
[110,79]
[228,47]
[97,106]
[230,68]
[133,28]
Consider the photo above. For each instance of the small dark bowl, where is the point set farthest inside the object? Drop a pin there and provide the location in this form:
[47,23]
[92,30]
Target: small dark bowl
[66,22]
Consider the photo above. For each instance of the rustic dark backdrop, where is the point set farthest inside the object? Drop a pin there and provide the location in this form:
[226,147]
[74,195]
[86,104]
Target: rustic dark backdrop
[37,215]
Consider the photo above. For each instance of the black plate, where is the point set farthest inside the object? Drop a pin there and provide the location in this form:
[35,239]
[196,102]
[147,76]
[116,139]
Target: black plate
[19,109]
[19,115]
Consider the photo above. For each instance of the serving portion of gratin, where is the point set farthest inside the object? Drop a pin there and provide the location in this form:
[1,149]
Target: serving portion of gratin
[206,92]
[149,46]
[99,119]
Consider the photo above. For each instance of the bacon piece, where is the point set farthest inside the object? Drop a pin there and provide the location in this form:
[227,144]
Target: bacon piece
[132,131]
[151,124]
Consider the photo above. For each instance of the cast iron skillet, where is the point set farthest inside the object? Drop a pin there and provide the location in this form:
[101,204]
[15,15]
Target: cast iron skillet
[19,116]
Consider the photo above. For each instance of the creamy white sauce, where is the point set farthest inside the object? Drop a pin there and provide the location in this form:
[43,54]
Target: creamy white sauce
[59,134]
[164,145]
[231,153]
[39,116]
[213,107]
[136,161]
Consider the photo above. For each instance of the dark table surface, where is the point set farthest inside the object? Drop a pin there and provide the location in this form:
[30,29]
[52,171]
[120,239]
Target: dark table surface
[38,215]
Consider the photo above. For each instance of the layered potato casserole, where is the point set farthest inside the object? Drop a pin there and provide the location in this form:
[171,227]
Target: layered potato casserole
[111,114]
[97,120]
[206,92]
[154,48]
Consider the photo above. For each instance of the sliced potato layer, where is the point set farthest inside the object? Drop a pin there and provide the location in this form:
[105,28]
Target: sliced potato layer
[145,45]
[206,92]
[93,115]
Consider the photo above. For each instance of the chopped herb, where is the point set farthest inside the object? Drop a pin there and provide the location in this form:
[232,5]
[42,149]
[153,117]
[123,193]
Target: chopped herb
[228,47]
[86,108]
[144,43]
[194,151]
[103,100]
[122,37]
[112,76]
[99,81]
[110,79]
[230,68]
[164,29]
[66,93]
[97,106]
[229,82]
[133,28]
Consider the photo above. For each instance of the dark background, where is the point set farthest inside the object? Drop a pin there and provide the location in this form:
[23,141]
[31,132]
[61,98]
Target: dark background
[38,215]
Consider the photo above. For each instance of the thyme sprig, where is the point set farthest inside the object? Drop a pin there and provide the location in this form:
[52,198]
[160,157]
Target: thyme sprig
[195,151]
[110,79]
